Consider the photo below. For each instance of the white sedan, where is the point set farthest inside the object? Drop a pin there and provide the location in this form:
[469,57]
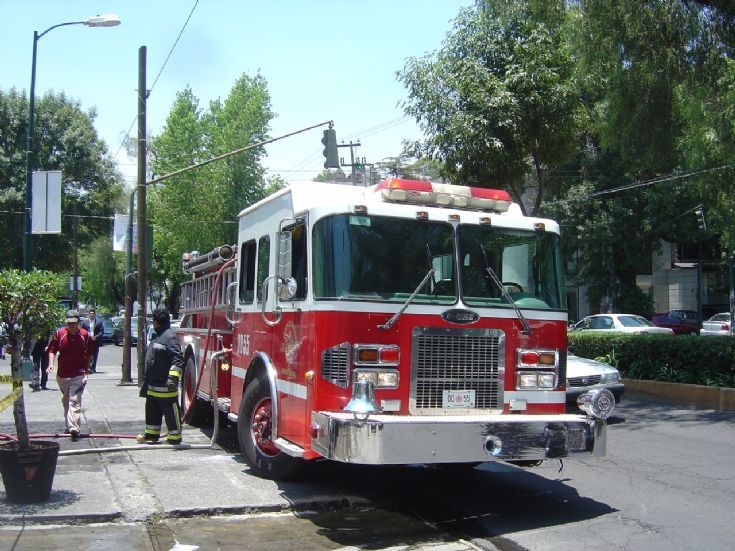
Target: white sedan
[623,323]
[719,324]
[584,374]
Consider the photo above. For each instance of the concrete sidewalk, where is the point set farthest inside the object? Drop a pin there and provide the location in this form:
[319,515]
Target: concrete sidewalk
[143,484]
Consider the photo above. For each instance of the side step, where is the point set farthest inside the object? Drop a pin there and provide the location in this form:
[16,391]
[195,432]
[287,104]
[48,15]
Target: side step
[224,404]
[289,448]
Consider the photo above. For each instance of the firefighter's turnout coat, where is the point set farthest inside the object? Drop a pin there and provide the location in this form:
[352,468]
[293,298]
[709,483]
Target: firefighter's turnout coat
[163,364]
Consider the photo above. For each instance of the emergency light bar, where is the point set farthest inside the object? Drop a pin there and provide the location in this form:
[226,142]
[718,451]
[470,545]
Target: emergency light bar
[398,190]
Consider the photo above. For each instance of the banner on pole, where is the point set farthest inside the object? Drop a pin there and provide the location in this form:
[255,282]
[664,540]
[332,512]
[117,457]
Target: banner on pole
[46,202]
[120,234]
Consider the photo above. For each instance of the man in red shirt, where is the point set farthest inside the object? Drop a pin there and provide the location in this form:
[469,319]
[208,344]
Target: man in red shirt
[72,344]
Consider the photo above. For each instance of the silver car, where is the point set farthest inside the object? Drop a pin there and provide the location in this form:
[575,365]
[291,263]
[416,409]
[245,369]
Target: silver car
[623,323]
[719,324]
[584,374]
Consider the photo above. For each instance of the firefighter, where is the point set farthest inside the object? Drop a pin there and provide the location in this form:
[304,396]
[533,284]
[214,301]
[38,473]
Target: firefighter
[163,364]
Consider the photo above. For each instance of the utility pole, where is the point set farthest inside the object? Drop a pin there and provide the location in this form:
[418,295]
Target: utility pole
[352,163]
[142,225]
[126,376]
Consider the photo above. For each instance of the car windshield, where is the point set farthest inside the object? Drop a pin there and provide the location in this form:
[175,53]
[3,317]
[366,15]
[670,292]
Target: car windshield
[634,321]
[720,317]
[378,258]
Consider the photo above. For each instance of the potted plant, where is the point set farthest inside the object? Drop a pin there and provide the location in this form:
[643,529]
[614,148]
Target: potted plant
[28,306]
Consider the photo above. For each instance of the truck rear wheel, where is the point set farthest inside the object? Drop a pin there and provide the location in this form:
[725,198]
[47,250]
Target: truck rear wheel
[254,434]
[200,415]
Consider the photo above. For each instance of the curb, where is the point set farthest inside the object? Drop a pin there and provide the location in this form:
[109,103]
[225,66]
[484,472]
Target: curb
[717,398]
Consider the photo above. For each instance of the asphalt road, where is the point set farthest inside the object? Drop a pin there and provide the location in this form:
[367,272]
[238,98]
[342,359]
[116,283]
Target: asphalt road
[666,484]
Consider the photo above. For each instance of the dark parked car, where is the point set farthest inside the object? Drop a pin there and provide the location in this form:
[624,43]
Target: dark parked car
[682,322]
[117,334]
[107,329]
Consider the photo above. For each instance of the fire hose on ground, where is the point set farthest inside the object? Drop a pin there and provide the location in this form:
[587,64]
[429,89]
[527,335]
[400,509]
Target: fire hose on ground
[84,451]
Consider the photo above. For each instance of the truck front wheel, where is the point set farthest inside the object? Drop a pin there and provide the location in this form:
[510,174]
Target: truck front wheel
[255,431]
[200,415]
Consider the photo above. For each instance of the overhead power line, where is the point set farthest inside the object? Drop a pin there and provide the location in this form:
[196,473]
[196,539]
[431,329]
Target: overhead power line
[626,187]
[163,66]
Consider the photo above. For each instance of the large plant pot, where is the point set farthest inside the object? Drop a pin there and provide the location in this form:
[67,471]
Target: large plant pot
[29,474]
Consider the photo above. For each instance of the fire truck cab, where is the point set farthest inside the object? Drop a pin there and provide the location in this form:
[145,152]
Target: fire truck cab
[408,322]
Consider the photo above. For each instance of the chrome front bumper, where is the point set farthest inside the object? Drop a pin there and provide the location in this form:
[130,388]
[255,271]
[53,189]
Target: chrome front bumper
[392,439]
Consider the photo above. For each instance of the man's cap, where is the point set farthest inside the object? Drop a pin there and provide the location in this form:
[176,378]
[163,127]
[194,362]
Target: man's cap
[72,316]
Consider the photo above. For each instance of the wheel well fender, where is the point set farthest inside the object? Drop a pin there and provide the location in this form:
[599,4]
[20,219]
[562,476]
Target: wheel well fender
[189,353]
[261,364]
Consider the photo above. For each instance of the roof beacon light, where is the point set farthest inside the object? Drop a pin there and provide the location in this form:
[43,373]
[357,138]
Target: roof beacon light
[399,190]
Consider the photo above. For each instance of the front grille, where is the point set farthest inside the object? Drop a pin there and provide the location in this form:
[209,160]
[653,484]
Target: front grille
[335,365]
[456,359]
[584,381]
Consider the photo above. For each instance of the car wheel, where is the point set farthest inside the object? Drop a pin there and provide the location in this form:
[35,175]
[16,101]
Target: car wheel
[254,434]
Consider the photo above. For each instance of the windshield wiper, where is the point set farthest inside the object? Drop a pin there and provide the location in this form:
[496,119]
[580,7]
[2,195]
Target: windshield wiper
[506,294]
[388,324]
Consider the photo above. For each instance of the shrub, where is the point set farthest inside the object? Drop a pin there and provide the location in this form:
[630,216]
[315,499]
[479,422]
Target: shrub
[682,359]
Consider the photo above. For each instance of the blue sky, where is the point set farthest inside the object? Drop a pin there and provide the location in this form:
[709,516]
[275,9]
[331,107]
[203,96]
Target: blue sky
[322,59]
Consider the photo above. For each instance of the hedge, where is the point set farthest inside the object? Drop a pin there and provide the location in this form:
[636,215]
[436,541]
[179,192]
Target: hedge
[688,359]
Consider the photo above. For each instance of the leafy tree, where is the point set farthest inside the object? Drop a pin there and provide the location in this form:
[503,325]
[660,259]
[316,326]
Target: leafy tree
[29,307]
[324,176]
[64,139]
[405,166]
[102,275]
[498,97]
[198,210]
[646,72]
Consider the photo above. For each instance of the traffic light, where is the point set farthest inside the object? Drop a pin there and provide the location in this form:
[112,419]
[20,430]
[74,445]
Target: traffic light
[701,222]
[330,149]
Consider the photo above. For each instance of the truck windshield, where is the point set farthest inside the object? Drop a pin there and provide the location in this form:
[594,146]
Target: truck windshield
[362,257]
[527,263]
[385,259]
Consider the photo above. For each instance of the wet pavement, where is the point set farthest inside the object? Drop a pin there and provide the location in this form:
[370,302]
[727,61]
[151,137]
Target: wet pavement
[111,493]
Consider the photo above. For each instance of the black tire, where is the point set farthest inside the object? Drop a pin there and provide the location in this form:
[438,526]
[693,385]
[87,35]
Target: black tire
[253,435]
[201,412]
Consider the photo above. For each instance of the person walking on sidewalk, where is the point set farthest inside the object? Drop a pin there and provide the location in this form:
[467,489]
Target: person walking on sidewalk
[94,327]
[39,356]
[71,343]
[163,365]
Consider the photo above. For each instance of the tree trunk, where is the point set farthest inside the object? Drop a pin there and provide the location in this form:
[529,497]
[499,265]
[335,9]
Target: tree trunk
[19,409]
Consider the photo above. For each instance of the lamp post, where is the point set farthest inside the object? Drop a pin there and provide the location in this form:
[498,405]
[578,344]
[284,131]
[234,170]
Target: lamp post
[107,20]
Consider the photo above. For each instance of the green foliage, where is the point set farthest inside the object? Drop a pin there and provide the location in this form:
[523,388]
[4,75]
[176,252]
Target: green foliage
[497,95]
[29,307]
[102,275]
[405,166]
[29,301]
[681,359]
[64,139]
[647,73]
[198,210]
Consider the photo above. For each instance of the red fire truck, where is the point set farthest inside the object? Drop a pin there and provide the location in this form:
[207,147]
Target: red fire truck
[409,322]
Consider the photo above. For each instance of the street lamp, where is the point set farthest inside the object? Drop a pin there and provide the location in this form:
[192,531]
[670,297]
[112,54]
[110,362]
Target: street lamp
[107,20]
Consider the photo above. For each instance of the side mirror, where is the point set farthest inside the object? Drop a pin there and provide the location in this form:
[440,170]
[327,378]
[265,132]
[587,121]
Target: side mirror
[287,288]
[284,255]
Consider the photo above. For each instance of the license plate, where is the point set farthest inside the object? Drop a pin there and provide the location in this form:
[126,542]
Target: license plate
[458,399]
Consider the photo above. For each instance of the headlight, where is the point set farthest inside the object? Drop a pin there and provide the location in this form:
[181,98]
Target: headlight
[379,378]
[546,380]
[610,378]
[527,381]
[539,380]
